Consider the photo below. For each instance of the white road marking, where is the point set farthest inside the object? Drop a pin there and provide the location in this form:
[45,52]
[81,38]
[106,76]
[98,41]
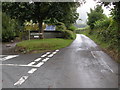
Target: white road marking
[39,64]
[20,65]
[51,55]
[38,59]
[46,59]
[32,70]
[57,50]
[48,53]
[31,63]
[54,52]
[107,66]
[103,62]
[93,54]
[8,57]
[44,55]
[21,80]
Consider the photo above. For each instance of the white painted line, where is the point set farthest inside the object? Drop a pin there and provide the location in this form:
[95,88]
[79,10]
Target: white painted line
[32,70]
[57,50]
[48,53]
[54,52]
[38,59]
[46,59]
[39,64]
[107,66]
[51,55]
[103,62]
[20,65]
[93,55]
[8,57]
[44,55]
[31,63]
[21,80]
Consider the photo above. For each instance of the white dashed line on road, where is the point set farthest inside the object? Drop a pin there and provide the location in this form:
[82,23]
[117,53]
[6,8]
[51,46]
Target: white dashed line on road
[48,53]
[8,57]
[51,55]
[21,80]
[31,63]
[56,50]
[44,55]
[46,59]
[39,64]
[32,70]
[38,59]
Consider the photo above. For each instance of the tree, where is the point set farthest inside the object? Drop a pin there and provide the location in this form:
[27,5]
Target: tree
[40,11]
[65,12]
[9,27]
[95,15]
[115,11]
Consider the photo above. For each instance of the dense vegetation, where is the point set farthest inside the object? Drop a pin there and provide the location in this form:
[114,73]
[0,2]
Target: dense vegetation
[9,28]
[104,30]
[40,11]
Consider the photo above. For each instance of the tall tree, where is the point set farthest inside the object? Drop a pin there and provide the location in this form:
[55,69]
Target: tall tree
[95,15]
[39,11]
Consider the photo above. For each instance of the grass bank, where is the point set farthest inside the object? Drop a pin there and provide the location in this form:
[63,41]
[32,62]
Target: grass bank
[105,46]
[42,45]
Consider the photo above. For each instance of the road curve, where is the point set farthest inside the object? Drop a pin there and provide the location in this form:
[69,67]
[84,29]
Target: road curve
[81,65]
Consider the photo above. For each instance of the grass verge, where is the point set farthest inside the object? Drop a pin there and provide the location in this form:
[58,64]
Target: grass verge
[42,45]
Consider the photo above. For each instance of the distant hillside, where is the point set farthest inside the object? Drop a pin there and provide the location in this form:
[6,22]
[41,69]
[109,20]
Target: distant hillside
[80,25]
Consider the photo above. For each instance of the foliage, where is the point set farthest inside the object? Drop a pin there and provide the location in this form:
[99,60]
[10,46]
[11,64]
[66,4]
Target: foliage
[115,11]
[60,26]
[72,27]
[67,34]
[39,11]
[95,15]
[102,23]
[9,27]
[65,12]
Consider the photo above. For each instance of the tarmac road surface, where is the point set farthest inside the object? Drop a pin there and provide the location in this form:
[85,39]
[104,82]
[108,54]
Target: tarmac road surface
[80,65]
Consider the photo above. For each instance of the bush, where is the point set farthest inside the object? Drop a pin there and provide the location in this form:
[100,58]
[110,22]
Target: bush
[102,23]
[8,28]
[67,34]
[60,26]
[72,28]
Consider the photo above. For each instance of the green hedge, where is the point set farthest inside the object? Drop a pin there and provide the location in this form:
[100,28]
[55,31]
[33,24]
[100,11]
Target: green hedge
[67,34]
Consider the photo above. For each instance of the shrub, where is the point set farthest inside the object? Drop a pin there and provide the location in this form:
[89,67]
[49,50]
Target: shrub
[72,28]
[102,23]
[60,26]
[8,28]
[67,34]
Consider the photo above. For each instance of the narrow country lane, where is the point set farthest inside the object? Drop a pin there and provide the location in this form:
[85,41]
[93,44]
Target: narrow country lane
[80,65]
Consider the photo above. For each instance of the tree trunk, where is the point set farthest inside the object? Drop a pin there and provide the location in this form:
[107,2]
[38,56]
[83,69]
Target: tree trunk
[41,31]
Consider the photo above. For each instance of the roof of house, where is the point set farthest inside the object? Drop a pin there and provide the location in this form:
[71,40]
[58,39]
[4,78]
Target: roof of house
[50,28]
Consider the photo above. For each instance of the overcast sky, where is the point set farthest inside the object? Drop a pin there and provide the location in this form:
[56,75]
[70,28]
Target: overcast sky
[83,9]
